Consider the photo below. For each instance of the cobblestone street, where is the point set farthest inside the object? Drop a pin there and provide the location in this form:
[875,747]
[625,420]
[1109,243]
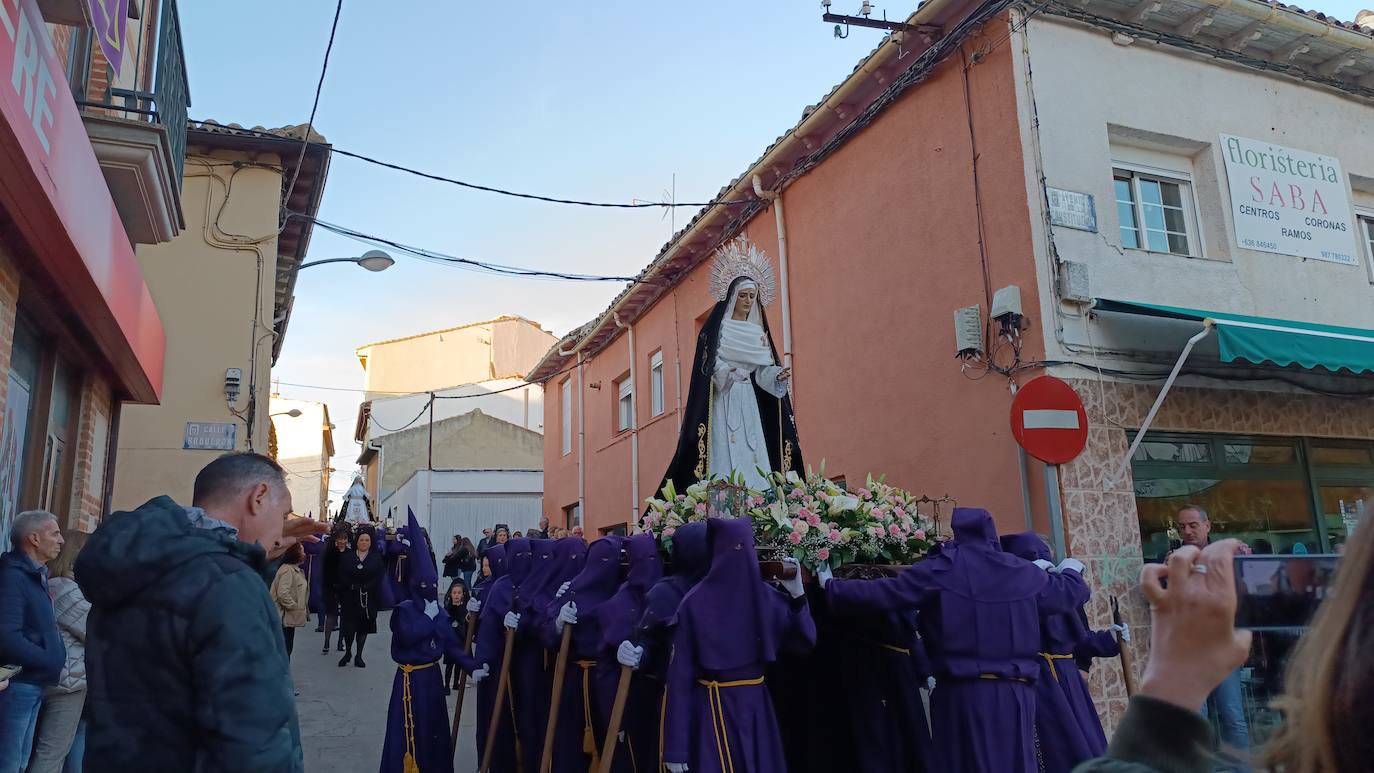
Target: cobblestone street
[343,710]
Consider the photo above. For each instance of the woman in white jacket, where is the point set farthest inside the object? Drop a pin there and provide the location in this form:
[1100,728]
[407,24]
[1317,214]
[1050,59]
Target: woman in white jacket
[60,740]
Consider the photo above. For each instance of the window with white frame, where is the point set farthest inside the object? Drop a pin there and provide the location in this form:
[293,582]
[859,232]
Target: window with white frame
[1367,234]
[1155,211]
[625,401]
[656,383]
[565,399]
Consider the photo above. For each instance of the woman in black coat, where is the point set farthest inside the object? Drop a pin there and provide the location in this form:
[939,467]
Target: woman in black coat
[360,576]
[330,582]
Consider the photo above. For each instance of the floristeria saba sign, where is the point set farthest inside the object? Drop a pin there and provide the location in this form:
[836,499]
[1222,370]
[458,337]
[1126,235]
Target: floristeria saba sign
[1288,201]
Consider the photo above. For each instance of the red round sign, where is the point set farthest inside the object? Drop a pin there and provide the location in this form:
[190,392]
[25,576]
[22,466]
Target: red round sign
[1049,421]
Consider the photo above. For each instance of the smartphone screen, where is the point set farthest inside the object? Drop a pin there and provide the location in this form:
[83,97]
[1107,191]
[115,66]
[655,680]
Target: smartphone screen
[1276,593]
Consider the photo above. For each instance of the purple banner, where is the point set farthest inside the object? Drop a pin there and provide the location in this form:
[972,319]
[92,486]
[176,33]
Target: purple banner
[109,18]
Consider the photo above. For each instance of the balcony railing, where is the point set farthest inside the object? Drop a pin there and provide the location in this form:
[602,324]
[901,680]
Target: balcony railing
[166,104]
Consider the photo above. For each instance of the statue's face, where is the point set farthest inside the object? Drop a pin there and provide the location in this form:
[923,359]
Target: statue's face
[744,302]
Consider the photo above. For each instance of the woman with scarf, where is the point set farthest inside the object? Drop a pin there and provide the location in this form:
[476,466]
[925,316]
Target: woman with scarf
[730,626]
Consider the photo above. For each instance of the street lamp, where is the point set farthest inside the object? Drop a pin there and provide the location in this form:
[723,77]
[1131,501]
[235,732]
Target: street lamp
[293,413]
[372,260]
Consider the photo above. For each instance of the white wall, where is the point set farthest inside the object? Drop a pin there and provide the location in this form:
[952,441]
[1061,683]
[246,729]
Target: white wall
[466,501]
[301,450]
[523,406]
[1159,98]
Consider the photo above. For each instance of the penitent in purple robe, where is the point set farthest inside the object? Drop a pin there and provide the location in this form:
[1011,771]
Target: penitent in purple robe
[531,664]
[578,737]
[488,649]
[729,627]
[1066,721]
[417,729]
[882,702]
[980,612]
[617,618]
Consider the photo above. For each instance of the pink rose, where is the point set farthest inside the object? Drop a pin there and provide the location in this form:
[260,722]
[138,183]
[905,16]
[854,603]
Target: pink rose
[797,493]
[700,508]
[794,538]
[835,535]
[804,514]
[893,530]
[670,531]
[814,520]
[682,497]
[920,534]
[865,493]
[823,554]
[875,531]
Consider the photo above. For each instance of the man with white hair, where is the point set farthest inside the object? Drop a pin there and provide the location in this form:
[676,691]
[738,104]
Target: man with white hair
[29,637]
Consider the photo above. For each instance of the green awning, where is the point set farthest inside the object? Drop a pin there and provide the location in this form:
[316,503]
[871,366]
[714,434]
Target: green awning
[1262,340]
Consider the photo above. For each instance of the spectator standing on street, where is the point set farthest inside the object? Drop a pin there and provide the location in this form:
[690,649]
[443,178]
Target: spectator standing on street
[360,580]
[542,532]
[29,636]
[329,574]
[1228,699]
[60,741]
[485,542]
[186,664]
[451,569]
[291,593]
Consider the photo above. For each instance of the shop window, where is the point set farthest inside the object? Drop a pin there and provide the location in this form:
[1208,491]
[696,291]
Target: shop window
[25,364]
[656,384]
[1156,213]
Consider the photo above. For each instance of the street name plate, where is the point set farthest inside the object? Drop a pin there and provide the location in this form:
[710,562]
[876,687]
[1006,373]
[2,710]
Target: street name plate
[210,436]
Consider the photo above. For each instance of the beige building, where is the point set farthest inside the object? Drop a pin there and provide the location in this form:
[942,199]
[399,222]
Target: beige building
[478,368]
[501,348]
[303,442]
[223,288]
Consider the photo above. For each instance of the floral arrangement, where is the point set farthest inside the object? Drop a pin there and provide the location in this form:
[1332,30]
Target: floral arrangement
[813,519]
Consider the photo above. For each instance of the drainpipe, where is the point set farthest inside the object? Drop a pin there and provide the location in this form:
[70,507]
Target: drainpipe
[776,198]
[581,440]
[634,421]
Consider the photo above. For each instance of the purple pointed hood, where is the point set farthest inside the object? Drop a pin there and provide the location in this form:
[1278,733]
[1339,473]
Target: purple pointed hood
[691,557]
[728,613]
[422,577]
[1027,545]
[519,560]
[973,565]
[530,591]
[496,559]
[623,611]
[600,575]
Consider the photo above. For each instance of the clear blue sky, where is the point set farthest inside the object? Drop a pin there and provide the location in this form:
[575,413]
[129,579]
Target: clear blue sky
[603,101]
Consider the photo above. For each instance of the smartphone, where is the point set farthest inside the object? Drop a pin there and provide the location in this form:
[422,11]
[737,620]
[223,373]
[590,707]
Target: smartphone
[8,671]
[1281,592]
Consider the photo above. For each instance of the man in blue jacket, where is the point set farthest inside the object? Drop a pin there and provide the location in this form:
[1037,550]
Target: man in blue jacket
[185,657]
[28,632]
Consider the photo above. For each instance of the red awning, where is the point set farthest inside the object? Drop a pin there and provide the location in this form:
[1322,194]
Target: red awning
[52,188]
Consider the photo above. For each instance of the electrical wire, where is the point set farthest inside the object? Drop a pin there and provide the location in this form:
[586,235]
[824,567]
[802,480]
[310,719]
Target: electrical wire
[480,266]
[523,385]
[502,191]
[408,424]
[315,106]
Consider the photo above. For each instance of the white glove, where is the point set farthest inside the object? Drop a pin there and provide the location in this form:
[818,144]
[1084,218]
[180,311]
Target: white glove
[1123,631]
[1043,564]
[562,589]
[629,655]
[621,736]
[474,606]
[930,683]
[481,673]
[512,620]
[566,616]
[675,767]
[1070,564]
[824,575]
[431,609]
[793,586]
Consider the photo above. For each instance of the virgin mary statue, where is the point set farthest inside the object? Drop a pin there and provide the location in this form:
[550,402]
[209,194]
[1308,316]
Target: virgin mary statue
[738,419]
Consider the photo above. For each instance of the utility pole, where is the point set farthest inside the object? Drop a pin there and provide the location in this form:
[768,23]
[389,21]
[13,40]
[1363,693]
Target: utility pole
[431,432]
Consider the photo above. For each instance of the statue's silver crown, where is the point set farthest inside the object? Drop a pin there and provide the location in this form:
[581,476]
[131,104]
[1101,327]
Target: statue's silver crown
[738,258]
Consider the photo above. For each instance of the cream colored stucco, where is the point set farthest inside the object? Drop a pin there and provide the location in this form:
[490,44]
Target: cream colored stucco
[213,286]
[483,351]
[304,445]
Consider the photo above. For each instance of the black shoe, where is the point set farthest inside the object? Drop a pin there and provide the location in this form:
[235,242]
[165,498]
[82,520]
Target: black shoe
[343,661]
[325,651]
[341,647]
[358,662]
[320,629]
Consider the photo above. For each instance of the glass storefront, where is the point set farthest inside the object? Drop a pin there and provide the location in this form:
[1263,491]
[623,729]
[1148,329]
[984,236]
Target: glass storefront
[1278,495]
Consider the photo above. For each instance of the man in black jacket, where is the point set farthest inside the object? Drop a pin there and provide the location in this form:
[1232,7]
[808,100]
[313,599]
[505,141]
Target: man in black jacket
[28,632]
[185,657]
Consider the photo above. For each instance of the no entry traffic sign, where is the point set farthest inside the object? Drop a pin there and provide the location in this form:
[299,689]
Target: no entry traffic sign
[1049,421]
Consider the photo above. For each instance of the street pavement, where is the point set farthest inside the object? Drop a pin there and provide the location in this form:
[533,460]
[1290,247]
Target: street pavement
[342,711]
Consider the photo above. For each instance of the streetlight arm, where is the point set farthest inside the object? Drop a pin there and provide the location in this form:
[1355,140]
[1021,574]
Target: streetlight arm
[326,260]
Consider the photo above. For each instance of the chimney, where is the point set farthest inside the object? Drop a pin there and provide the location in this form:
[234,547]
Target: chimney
[1365,21]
